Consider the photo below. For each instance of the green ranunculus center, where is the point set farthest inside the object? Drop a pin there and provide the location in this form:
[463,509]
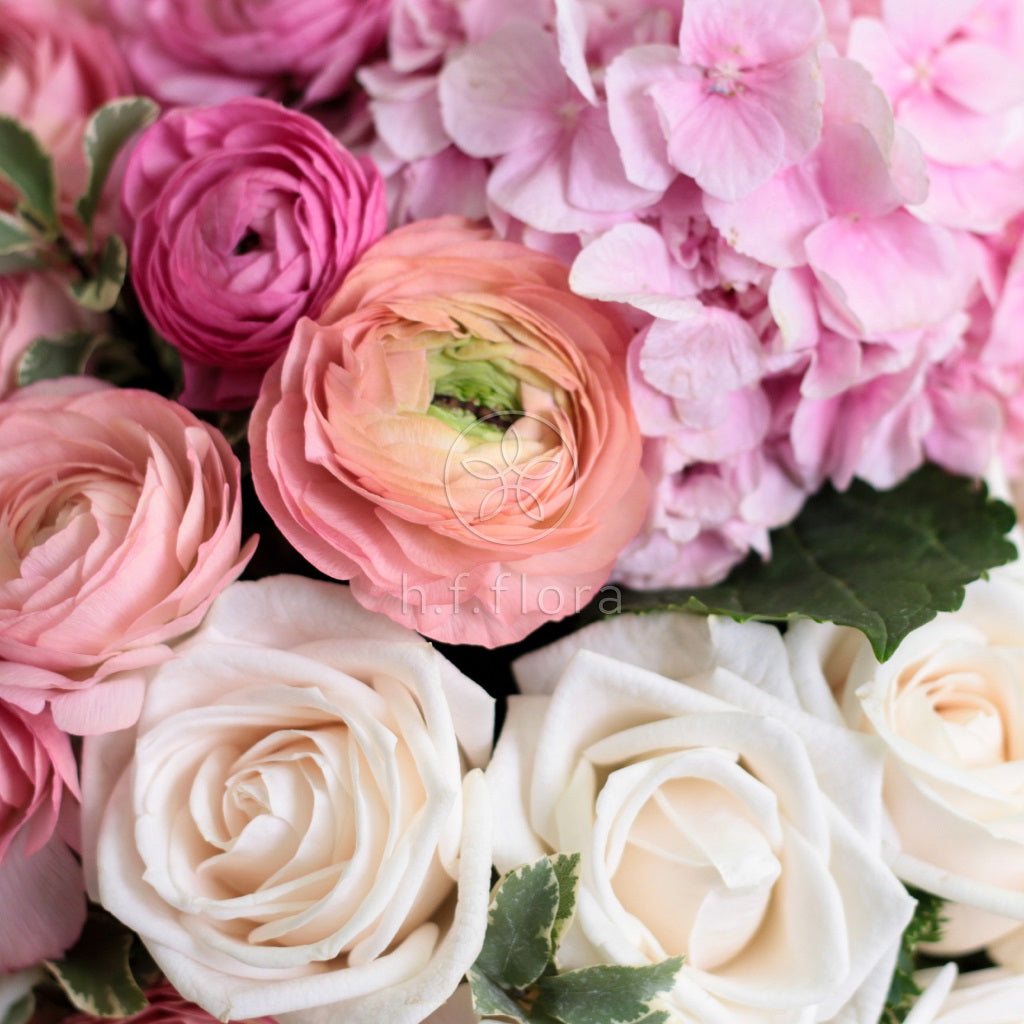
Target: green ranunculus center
[475,390]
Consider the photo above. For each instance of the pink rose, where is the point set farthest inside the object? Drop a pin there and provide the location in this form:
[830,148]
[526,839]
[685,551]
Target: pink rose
[42,890]
[34,306]
[57,68]
[244,218]
[208,51]
[455,436]
[120,520]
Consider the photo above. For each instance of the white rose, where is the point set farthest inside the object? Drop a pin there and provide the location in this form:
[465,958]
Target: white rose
[992,996]
[948,708]
[290,827]
[715,819]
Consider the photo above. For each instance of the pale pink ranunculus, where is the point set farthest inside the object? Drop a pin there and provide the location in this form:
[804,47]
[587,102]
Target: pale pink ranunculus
[42,891]
[455,436]
[120,521]
[297,825]
[35,306]
[206,51]
[243,217]
[57,68]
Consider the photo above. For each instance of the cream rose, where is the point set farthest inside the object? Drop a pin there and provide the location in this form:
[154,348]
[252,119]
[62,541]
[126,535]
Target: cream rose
[714,818]
[291,827]
[948,709]
[992,996]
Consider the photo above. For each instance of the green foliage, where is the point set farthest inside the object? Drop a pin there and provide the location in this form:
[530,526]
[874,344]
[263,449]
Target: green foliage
[884,562]
[96,974]
[29,168]
[20,1011]
[606,994]
[105,135]
[100,291]
[62,355]
[925,926]
[516,976]
[14,235]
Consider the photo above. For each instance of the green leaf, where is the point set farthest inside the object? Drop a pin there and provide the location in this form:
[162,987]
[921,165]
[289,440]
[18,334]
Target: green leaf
[567,872]
[100,292]
[19,262]
[105,134]
[517,946]
[14,236]
[490,1000]
[20,1011]
[95,974]
[607,994]
[29,168]
[884,562]
[925,926]
[62,355]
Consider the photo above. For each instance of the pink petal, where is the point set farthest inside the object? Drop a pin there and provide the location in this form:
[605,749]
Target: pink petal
[728,144]
[979,76]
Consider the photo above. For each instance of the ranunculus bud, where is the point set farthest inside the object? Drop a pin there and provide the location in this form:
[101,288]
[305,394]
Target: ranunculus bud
[243,218]
[455,436]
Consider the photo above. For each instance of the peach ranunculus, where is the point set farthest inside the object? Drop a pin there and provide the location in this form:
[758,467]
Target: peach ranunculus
[454,436]
[297,826]
[56,69]
[42,891]
[120,521]
[948,710]
[35,306]
[714,818]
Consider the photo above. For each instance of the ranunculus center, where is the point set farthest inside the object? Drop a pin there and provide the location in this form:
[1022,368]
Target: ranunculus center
[476,390]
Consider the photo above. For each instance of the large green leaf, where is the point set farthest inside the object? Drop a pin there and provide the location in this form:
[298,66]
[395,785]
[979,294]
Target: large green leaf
[607,994]
[517,947]
[106,133]
[883,561]
[14,236]
[491,1000]
[29,168]
[567,871]
[95,974]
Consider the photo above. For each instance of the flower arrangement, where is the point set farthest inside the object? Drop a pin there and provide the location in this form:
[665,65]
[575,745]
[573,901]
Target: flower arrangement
[495,514]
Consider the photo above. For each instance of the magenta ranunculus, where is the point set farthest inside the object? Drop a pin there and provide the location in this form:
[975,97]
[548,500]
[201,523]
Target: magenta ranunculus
[56,68]
[455,436]
[42,890]
[207,51]
[243,218]
[120,521]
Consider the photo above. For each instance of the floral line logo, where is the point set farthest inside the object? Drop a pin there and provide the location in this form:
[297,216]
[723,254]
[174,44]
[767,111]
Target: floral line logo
[512,479]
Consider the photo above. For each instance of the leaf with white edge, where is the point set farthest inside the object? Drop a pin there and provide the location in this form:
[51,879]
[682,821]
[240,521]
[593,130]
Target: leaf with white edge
[14,236]
[100,292]
[490,1000]
[517,945]
[29,168]
[607,994]
[95,974]
[105,135]
[19,262]
[20,1011]
[884,562]
[62,355]
[567,871]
